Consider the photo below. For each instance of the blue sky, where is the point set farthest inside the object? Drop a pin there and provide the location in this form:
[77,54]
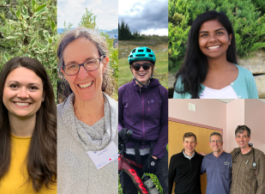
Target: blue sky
[71,11]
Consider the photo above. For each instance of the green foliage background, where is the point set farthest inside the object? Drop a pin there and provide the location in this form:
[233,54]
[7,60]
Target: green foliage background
[248,22]
[28,28]
[88,20]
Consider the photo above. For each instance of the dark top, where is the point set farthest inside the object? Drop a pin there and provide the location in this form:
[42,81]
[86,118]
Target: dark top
[186,174]
[145,111]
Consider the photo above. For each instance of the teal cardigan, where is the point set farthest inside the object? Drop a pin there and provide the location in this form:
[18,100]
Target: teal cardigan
[244,86]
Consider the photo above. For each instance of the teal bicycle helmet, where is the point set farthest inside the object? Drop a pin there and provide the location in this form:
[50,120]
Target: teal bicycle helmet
[142,54]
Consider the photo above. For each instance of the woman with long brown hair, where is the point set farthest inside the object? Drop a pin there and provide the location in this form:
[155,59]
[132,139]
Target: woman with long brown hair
[27,129]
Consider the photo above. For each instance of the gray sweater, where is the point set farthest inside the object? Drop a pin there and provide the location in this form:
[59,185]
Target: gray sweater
[77,174]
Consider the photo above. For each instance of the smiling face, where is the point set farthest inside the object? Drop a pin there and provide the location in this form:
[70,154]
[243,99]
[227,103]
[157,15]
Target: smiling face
[86,85]
[23,93]
[189,144]
[242,139]
[216,143]
[142,75]
[214,40]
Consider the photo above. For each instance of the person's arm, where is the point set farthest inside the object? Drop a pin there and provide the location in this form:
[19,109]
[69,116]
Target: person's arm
[172,171]
[253,91]
[203,166]
[261,175]
[178,86]
[162,140]
[120,107]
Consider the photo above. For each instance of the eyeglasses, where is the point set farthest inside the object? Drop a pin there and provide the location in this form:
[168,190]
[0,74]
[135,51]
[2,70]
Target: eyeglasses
[90,65]
[145,66]
[217,141]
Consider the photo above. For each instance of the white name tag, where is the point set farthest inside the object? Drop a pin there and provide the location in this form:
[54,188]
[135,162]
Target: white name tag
[103,157]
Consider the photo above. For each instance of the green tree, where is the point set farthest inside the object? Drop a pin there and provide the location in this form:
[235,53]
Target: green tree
[28,28]
[124,31]
[88,20]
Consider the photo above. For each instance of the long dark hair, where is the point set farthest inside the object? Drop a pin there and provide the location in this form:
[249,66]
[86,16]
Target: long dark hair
[194,69]
[42,156]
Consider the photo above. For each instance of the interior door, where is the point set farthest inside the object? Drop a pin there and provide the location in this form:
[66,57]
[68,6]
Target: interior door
[175,139]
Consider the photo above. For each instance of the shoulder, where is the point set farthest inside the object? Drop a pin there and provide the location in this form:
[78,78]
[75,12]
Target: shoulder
[208,156]
[125,86]
[179,84]
[244,72]
[178,87]
[163,91]
[176,156]
[59,107]
[113,103]
[227,155]
[258,152]
[235,151]
[198,156]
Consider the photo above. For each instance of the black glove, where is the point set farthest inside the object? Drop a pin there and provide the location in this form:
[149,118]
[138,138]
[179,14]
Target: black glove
[150,165]
[123,134]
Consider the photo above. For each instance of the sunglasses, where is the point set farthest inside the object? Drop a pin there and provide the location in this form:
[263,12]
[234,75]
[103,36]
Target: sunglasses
[145,66]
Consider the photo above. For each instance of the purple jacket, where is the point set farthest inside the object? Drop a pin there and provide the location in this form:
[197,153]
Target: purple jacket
[145,112]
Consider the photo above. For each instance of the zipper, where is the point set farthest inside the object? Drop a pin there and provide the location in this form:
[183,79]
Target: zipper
[148,107]
[143,116]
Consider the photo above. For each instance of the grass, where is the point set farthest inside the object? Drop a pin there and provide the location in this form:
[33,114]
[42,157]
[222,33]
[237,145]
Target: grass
[161,67]
[160,46]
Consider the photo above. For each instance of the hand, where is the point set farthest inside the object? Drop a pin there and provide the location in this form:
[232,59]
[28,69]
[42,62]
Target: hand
[150,165]
[123,134]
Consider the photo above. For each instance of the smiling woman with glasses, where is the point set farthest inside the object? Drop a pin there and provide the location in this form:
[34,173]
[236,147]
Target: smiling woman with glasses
[87,119]
[143,108]
[90,65]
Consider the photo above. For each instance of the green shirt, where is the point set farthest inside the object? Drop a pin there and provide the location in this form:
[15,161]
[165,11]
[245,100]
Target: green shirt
[244,179]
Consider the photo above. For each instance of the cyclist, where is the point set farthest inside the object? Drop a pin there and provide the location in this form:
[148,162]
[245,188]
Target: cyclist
[143,108]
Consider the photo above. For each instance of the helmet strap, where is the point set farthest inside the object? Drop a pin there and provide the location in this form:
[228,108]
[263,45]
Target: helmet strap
[148,81]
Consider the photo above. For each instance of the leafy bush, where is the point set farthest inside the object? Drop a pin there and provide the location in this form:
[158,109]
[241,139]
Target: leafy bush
[248,24]
[260,4]
[88,20]
[28,28]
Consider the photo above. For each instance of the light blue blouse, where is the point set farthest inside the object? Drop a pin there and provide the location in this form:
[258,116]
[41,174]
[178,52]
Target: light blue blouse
[244,86]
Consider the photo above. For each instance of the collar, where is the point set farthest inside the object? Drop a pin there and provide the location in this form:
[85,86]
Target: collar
[186,156]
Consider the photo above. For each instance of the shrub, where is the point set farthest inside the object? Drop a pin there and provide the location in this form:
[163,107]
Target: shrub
[28,28]
[247,21]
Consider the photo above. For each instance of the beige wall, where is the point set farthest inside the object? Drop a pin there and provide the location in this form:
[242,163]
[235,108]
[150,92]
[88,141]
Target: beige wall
[255,120]
[208,112]
[235,115]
